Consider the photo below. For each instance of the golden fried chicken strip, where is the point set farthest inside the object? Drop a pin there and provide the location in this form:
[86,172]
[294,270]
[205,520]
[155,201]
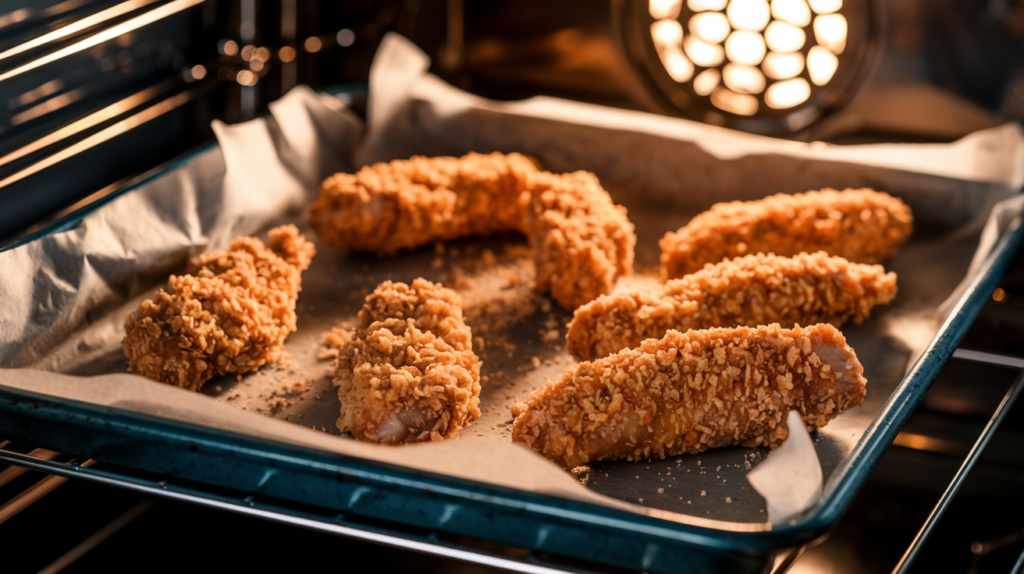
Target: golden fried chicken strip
[581,241]
[409,373]
[746,291]
[861,225]
[230,314]
[689,392]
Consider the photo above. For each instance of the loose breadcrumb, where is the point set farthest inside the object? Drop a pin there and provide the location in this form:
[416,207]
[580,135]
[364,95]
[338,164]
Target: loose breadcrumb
[230,314]
[689,392]
[746,291]
[861,225]
[581,242]
[332,341]
[409,373]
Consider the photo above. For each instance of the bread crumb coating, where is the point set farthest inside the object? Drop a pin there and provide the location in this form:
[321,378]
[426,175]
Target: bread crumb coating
[230,314]
[408,374]
[688,392]
[861,225]
[581,242]
[746,291]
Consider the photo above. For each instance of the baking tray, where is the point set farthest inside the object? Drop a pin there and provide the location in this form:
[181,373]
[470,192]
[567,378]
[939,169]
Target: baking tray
[658,541]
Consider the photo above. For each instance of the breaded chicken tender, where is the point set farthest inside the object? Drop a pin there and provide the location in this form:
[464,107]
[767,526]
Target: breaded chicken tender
[861,225]
[688,392]
[230,314]
[409,373]
[581,241]
[746,291]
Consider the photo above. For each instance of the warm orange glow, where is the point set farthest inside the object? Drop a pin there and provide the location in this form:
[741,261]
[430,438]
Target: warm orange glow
[831,31]
[246,78]
[821,65]
[667,33]
[229,47]
[783,37]
[745,47]
[794,12]
[247,52]
[701,5]
[707,81]
[710,26]
[703,53]
[743,79]
[662,9]
[783,66]
[313,44]
[999,294]
[286,54]
[198,72]
[787,93]
[729,101]
[826,6]
[749,14]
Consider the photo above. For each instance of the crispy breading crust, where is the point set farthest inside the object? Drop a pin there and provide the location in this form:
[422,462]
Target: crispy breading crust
[581,241]
[862,225]
[230,314]
[689,392]
[746,291]
[409,373]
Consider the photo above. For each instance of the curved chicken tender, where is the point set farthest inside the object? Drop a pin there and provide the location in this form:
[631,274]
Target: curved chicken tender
[752,290]
[861,225]
[409,373]
[689,392]
[581,241]
[230,314]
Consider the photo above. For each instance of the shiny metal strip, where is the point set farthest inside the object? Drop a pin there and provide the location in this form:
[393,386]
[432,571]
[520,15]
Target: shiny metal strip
[104,36]
[75,27]
[990,358]
[35,492]
[9,474]
[277,515]
[972,457]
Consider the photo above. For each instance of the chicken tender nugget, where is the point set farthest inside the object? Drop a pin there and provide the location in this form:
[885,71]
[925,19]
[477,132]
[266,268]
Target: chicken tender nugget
[409,373]
[746,291]
[689,392]
[581,241]
[230,314]
[862,225]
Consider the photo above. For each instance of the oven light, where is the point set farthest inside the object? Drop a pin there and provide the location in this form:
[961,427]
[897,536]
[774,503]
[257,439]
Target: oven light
[794,12]
[783,66]
[830,31]
[707,81]
[665,9]
[710,26]
[787,93]
[767,66]
[821,65]
[826,6]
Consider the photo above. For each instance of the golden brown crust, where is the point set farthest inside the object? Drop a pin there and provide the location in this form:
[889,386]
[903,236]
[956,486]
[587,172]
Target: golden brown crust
[746,291]
[581,241]
[689,392]
[862,225]
[230,314]
[409,373]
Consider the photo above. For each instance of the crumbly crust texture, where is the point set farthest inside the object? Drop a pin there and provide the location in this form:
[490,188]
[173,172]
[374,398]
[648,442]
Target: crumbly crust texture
[746,291]
[230,314]
[409,373]
[861,225]
[581,241]
[688,392]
